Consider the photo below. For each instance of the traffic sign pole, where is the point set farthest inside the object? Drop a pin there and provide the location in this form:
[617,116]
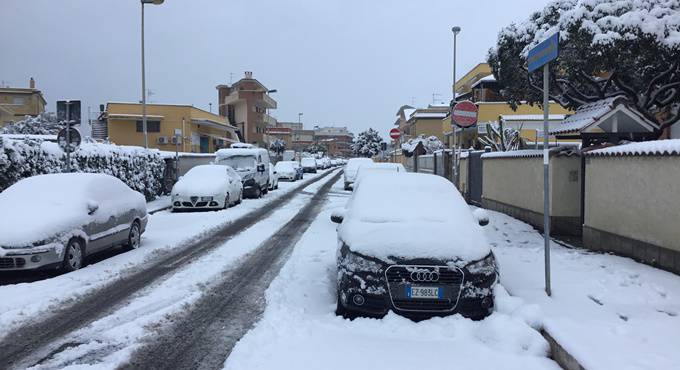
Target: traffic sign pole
[546,179]
[68,136]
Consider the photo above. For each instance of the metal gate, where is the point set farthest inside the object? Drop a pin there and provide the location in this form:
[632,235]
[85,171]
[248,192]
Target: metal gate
[475,178]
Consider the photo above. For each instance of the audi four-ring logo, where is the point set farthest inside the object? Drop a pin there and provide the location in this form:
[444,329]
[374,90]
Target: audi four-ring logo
[425,276]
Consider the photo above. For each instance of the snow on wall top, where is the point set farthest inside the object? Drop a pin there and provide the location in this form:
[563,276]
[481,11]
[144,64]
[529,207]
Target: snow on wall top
[656,147]
[585,115]
[528,153]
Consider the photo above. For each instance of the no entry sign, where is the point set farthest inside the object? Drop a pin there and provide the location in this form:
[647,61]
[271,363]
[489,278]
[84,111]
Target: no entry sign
[395,133]
[464,114]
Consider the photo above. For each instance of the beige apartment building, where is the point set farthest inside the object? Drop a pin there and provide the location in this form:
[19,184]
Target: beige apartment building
[16,103]
[201,131]
[245,104]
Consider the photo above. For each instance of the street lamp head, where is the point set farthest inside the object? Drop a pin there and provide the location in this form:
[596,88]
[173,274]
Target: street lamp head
[154,2]
[272,91]
[455,30]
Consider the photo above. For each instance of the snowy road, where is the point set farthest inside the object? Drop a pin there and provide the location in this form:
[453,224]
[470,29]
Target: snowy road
[52,323]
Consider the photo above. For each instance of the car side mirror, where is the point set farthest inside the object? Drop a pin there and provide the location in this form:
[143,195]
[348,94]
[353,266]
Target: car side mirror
[92,207]
[260,168]
[338,215]
[482,216]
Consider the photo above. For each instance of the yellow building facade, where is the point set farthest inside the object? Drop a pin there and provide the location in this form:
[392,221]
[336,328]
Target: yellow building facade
[17,103]
[201,131]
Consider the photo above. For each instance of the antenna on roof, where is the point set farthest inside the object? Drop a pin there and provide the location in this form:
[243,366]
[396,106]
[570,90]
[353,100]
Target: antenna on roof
[231,78]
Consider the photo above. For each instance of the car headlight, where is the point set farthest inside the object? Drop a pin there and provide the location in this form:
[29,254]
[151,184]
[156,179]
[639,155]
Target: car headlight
[485,266]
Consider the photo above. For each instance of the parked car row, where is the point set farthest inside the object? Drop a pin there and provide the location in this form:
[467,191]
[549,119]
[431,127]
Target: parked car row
[408,243]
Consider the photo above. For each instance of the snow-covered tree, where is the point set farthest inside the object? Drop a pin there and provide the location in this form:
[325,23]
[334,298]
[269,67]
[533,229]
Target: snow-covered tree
[278,146]
[367,143]
[315,148]
[501,139]
[607,48]
[430,144]
[43,124]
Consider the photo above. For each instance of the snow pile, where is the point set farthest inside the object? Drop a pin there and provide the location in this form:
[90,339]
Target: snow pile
[608,312]
[656,147]
[606,20]
[411,215]
[45,206]
[204,180]
[300,331]
[139,168]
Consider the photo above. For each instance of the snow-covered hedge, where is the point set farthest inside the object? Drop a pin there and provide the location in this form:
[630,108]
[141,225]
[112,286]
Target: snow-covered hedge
[139,168]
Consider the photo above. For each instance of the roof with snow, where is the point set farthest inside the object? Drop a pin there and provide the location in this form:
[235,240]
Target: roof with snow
[531,117]
[489,78]
[606,115]
[646,148]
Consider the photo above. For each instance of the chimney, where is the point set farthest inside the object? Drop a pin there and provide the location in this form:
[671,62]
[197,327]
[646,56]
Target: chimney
[31,83]
[249,74]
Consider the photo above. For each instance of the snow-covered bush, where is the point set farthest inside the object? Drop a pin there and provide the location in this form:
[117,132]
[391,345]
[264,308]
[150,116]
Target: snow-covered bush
[430,144]
[43,124]
[141,169]
[367,143]
[607,48]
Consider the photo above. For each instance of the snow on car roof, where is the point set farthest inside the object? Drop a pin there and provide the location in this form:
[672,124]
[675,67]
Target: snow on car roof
[411,216]
[285,165]
[45,205]
[230,152]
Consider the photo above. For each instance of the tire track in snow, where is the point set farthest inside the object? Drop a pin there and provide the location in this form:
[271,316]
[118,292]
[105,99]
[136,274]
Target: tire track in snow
[33,340]
[203,337]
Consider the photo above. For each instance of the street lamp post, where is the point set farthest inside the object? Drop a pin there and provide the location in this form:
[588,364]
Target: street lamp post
[146,134]
[455,31]
[300,118]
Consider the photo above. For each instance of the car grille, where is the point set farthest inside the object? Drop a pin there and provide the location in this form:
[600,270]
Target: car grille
[400,276]
[201,204]
[6,263]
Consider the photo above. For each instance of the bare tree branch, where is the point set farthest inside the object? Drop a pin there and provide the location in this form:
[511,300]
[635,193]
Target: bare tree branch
[660,90]
[655,80]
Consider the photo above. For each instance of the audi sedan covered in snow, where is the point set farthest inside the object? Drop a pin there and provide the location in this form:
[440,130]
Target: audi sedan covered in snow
[409,243]
[207,187]
[55,221]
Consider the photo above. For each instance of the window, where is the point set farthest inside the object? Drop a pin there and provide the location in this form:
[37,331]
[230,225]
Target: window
[151,126]
[18,100]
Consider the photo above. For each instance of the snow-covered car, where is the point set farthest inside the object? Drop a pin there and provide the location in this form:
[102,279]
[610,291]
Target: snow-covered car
[371,168]
[207,187]
[320,165]
[351,168]
[285,170]
[251,163]
[273,178]
[308,164]
[409,243]
[55,221]
[335,162]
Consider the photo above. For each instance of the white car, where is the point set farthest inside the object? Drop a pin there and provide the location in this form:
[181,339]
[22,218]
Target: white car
[55,221]
[308,164]
[286,170]
[273,178]
[351,168]
[371,168]
[207,187]
[409,243]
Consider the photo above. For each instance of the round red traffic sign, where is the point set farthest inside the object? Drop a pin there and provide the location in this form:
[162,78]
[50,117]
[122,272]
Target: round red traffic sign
[464,114]
[395,133]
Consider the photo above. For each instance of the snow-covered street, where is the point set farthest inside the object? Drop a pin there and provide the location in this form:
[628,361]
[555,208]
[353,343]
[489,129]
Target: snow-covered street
[299,329]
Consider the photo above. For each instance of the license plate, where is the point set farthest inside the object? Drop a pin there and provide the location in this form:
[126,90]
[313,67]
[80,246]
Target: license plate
[419,292]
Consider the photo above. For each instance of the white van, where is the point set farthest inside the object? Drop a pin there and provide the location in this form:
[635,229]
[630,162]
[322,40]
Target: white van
[252,164]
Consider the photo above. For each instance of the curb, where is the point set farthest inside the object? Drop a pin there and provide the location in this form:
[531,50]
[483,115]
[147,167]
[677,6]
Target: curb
[560,355]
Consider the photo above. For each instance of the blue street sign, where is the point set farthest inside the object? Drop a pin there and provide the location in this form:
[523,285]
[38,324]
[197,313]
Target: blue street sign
[544,52]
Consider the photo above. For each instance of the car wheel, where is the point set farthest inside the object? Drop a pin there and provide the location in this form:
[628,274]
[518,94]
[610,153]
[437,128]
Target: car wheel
[258,193]
[74,255]
[266,189]
[240,197]
[134,239]
[227,203]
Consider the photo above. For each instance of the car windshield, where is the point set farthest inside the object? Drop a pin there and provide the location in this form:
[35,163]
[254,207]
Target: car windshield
[239,162]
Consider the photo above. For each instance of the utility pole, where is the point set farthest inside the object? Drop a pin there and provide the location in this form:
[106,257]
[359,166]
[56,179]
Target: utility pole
[455,30]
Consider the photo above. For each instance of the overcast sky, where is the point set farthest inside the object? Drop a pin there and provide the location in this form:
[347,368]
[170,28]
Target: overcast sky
[340,62]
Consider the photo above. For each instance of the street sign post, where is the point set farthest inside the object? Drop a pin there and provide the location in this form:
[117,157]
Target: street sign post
[68,111]
[463,115]
[395,135]
[541,56]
